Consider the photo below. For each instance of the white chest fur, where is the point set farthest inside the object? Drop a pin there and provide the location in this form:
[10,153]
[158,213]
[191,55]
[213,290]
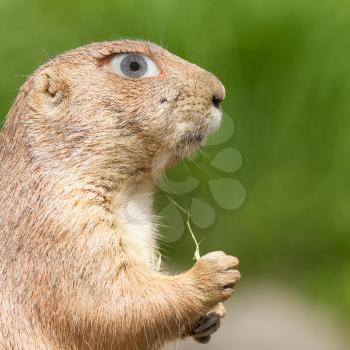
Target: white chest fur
[133,207]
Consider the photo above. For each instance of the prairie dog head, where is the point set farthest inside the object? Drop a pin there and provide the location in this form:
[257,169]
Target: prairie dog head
[120,107]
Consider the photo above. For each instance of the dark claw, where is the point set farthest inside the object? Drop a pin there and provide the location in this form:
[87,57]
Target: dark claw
[210,321]
[204,340]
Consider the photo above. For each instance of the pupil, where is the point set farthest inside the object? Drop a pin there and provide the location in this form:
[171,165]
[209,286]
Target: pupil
[134,66]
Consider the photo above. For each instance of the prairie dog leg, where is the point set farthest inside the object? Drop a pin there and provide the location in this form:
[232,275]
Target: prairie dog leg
[190,300]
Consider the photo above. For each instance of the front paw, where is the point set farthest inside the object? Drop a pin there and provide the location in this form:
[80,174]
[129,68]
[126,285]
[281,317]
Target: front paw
[216,275]
[208,324]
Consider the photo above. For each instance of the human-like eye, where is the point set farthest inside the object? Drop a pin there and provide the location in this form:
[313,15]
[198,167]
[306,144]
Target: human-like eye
[134,65]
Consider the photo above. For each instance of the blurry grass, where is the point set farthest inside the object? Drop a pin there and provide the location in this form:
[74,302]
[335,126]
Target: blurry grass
[285,65]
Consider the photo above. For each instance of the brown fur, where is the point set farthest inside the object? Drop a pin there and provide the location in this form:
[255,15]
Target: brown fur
[78,142]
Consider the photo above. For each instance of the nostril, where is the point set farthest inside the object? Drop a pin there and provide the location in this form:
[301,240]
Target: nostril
[216,101]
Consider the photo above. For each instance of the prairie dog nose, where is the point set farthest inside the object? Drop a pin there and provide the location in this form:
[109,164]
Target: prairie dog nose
[216,101]
[217,90]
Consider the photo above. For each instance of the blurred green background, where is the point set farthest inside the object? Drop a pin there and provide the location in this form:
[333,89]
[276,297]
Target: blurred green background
[285,65]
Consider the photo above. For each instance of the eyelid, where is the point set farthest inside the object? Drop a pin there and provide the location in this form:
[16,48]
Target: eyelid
[148,53]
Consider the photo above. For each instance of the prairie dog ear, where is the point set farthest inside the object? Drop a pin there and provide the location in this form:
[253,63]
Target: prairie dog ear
[51,87]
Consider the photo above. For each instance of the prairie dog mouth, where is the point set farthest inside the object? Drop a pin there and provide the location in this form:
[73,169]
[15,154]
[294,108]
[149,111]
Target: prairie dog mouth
[189,143]
[194,138]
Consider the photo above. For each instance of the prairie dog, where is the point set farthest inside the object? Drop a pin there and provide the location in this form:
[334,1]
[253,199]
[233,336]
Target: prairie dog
[87,135]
